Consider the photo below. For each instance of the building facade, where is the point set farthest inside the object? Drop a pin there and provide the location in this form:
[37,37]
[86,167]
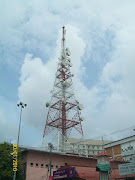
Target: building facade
[123,149]
[37,165]
[85,146]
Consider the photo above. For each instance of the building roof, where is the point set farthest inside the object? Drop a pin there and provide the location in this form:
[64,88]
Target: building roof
[102,154]
[103,167]
[120,141]
[87,141]
[37,149]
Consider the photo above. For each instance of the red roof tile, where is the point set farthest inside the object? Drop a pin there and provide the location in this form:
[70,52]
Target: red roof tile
[102,154]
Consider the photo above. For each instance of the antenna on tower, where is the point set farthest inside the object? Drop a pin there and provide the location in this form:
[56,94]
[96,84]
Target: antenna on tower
[63,38]
[64,112]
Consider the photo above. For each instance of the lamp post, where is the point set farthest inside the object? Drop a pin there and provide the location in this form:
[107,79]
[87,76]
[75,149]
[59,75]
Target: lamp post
[50,145]
[22,105]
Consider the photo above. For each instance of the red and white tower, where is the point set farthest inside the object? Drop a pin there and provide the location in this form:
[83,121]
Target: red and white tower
[64,110]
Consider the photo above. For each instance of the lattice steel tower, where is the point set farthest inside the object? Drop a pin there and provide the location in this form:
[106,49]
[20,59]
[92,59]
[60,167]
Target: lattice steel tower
[64,110]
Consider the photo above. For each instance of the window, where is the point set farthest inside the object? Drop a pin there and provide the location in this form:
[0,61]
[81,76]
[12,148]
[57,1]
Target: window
[31,164]
[56,166]
[36,164]
[46,165]
[51,166]
[100,147]
[42,165]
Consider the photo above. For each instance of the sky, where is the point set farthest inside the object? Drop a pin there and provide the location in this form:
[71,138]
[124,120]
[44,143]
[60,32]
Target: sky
[101,38]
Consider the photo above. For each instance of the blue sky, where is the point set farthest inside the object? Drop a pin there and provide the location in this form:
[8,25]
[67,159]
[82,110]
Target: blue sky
[100,35]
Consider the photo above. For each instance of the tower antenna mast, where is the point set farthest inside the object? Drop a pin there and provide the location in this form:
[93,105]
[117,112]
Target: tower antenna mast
[63,38]
[64,110]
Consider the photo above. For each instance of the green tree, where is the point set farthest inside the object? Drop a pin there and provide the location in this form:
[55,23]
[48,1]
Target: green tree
[6,163]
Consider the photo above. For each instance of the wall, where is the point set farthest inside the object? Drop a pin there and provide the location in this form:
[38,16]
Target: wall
[123,152]
[128,151]
[85,167]
[91,149]
[36,173]
[115,151]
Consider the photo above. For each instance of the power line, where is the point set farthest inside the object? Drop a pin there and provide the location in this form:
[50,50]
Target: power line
[107,134]
[114,132]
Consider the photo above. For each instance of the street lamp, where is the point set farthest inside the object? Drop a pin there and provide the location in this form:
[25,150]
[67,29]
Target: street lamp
[22,105]
[50,145]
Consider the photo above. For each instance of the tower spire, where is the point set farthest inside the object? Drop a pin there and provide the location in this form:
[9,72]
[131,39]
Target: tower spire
[63,38]
[64,110]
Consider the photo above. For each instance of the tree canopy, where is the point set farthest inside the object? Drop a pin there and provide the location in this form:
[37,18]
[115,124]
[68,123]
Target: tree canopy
[6,163]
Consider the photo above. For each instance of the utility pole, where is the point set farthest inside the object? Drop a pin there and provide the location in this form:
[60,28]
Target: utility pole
[22,106]
[50,145]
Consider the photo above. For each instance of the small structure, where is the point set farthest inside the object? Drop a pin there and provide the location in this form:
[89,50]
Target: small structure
[103,166]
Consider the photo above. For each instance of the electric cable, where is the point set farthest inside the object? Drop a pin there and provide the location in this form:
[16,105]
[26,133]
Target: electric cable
[107,134]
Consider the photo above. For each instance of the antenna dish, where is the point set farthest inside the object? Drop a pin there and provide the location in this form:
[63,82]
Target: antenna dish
[64,101]
[63,63]
[66,84]
[47,104]
[80,106]
[63,56]
[70,64]
[59,97]
[68,52]
[61,80]
[77,101]
[82,118]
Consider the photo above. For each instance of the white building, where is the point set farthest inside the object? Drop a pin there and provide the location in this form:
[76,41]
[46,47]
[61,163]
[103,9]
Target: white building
[123,149]
[85,146]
